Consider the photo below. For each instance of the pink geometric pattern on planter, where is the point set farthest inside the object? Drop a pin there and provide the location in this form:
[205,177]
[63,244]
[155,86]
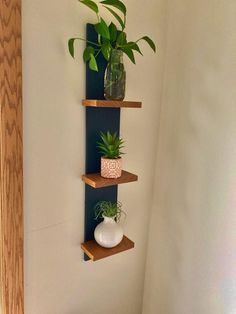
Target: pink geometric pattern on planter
[111,168]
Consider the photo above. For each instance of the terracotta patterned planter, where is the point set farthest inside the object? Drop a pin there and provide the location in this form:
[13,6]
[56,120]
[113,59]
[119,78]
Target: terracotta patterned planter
[111,168]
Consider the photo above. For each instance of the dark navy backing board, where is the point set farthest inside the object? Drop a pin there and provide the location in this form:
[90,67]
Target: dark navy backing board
[97,119]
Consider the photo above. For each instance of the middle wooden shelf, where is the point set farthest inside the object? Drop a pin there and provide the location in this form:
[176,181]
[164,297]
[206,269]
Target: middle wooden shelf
[96,181]
[111,103]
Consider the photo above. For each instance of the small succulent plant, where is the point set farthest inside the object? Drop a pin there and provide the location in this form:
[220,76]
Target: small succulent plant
[108,209]
[111,145]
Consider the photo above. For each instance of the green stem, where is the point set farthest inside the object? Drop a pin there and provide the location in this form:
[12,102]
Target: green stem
[98,17]
[138,40]
[125,46]
[99,36]
[90,42]
[98,53]
[124,23]
[99,39]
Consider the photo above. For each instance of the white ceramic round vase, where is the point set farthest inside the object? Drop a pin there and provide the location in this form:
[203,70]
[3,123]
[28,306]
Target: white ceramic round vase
[108,233]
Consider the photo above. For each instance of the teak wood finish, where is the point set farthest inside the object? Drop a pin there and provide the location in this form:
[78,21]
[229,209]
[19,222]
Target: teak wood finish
[96,252]
[111,103]
[11,177]
[96,181]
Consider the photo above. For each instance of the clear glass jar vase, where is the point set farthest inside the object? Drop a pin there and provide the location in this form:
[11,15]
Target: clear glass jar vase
[115,77]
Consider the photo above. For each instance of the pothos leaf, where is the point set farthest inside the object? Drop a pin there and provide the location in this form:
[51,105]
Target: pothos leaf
[132,45]
[71,47]
[117,4]
[119,19]
[91,4]
[93,63]
[129,53]
[87,53]
[150,42]
[102,29]
[106,50]
[113,32]
[121,39]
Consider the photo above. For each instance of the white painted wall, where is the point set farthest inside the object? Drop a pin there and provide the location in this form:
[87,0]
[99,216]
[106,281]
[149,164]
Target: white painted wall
[57,281]
[191,257]
[191,266]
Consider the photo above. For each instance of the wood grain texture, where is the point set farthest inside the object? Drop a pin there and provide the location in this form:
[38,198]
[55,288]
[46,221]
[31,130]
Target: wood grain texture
[111,103]
[11,177]
[96,181]
[96,252]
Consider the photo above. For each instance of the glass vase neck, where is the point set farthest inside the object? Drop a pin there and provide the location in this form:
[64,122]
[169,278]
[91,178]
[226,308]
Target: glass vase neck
[116,56]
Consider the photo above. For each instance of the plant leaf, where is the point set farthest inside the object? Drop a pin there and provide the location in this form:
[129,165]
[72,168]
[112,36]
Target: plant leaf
[104,138]
[106,50]
[119,19]
[117,4]
[87,53]
[150,42]
[132,45]
[102,29]
[91,4]
[121,39]
[71,46]
[129,53]
[114,136]
[113,32]
[93,63]
[111,145]
[109,137]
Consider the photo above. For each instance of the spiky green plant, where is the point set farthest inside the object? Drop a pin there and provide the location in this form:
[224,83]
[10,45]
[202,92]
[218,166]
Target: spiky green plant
[111,145]
[108,209]
[109,36]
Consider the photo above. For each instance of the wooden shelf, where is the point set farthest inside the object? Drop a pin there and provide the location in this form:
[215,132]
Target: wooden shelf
[96,181]
[111,103]
[96,252]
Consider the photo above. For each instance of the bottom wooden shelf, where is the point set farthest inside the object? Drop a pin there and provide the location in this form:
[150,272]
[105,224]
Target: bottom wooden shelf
[96,252]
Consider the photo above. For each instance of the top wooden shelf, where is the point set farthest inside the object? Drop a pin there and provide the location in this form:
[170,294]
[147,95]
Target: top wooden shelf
[111,103]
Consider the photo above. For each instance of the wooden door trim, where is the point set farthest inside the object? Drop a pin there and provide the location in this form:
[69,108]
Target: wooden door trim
[11,160]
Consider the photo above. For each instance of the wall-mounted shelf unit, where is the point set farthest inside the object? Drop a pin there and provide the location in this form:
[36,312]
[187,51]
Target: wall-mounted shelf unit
[111,103]
[96,181]
[96,252]
[101,115]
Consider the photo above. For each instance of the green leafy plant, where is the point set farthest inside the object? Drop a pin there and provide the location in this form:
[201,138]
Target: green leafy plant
[108,209]
[109,36]
[111,145]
